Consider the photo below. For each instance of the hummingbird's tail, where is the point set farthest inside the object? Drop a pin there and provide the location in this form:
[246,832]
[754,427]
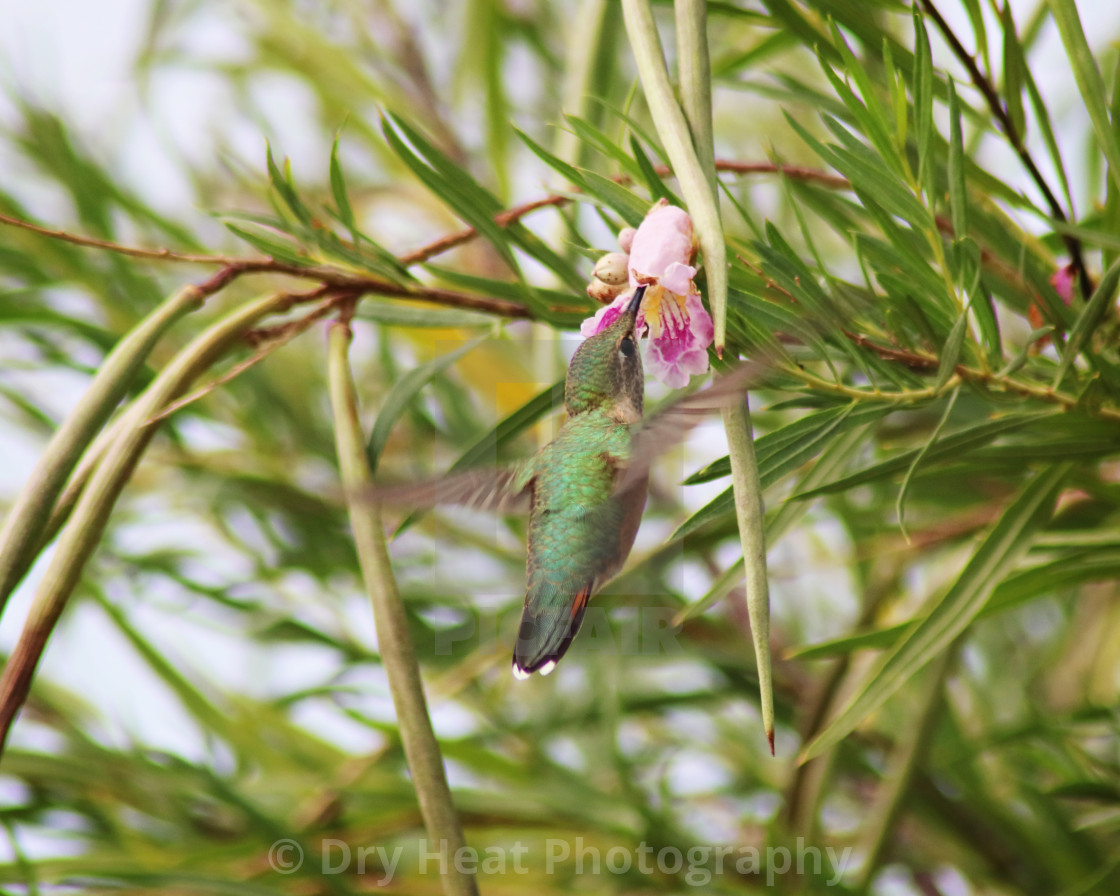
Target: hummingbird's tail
[546,632]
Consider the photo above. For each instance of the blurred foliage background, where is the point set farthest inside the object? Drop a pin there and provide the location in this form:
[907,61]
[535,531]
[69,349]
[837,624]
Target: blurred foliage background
[921,209]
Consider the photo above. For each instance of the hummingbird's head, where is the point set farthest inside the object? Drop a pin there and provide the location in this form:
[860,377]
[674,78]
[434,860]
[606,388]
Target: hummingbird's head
[606,371]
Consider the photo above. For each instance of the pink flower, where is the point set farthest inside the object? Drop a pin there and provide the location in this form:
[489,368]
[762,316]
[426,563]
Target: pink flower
[1062,280]
[680,333]
[679,328]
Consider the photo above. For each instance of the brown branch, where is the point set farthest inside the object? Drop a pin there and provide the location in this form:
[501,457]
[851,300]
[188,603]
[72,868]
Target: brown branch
[446,243]
[92,243]
[999,110]
[921,361]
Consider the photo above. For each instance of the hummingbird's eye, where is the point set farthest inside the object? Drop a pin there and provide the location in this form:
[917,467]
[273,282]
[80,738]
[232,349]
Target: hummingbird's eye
[627,347]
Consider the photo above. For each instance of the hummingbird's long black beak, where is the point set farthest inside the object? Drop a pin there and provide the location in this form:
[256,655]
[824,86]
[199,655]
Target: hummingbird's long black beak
[636,301]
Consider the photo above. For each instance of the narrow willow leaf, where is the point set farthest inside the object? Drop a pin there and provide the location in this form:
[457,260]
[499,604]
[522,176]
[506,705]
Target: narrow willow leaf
[1070,571]
[1013,67]
[269,241]
[510,426]
[402,393]
[569,172]
[835,457]
[958,197]
[790,436]
[1089,81]
[451,184]
[900,504]
[1087,321]
[1008,540]
[900,103]
[282,184]
[868,114]
[1110,213]
[922,86]
[394,314]
[592,136]
[654,183]
[951,351]
[1046,128]
[955,446]
[476,205]
[778,455]
[872,639]
[979,30]
[987,320]
[364,255]
[865,170]
[338,189]
[632,209]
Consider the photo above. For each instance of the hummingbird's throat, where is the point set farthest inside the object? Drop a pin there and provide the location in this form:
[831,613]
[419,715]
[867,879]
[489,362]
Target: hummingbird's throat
[625,412]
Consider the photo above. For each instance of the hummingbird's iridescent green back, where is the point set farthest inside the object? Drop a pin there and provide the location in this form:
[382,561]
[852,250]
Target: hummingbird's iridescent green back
[580,533]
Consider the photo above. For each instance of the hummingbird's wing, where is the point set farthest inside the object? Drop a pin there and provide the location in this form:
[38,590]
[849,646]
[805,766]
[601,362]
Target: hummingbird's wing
[671,424]
[498,490]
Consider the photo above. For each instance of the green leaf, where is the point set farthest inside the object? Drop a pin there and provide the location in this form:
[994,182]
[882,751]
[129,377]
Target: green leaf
[592,136]
[872,639]
[406,388]
[1007,541]
[1087,321]
[617,198]
[271,242]
[922,86]
[569,172]
[900,504]
[1068,572]
[780,453]
[654,183]
[394,314]
[1014,65]
[951,351]
[954,446]
[783,446]
[868,114]
[1089,81]
[282,184]
[979,30]
[338,189]
[958,195]
[450,183]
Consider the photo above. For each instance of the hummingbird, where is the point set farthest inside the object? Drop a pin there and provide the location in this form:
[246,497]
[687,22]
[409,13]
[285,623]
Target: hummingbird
[585,490]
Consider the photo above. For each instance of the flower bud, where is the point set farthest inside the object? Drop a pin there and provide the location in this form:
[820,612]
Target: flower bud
[612,269]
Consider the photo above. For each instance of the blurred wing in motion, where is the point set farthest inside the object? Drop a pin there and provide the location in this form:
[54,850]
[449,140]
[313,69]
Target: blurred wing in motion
[669,426]
[498,490]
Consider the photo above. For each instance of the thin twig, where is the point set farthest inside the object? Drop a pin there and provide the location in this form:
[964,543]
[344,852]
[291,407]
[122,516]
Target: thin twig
[93,243]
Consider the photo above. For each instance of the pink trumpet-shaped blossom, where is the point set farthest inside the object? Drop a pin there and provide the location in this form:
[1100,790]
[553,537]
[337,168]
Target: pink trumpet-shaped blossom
[672,314]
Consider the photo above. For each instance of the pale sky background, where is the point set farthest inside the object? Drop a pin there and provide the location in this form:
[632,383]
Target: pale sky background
[76,57]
